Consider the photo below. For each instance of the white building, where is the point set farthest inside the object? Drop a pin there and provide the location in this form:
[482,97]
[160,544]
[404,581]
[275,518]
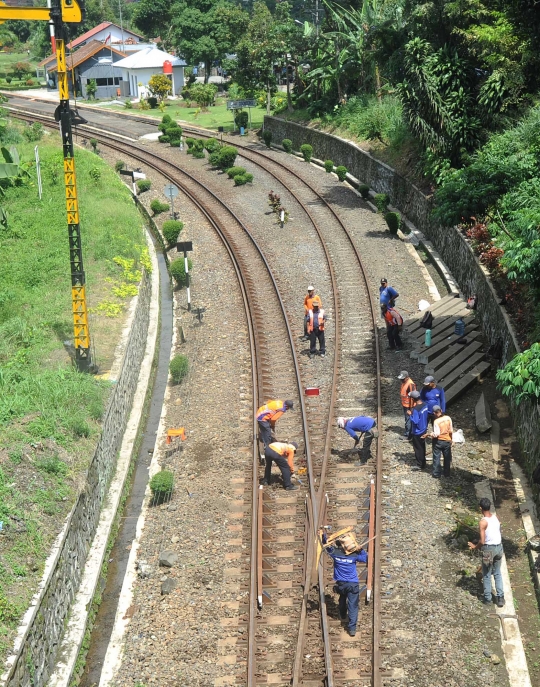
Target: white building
[138,69]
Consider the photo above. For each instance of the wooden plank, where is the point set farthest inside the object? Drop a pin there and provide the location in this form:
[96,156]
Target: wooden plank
[440,372]
[434,308]
[417,352]
[466,382]
[452,306]
[458,372]
[446,356]
[434,351]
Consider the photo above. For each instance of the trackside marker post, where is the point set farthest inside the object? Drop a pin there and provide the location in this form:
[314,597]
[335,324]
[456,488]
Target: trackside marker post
[185,247]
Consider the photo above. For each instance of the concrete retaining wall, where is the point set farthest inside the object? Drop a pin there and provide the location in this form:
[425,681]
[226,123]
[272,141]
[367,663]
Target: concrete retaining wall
[37,650]
[448,241]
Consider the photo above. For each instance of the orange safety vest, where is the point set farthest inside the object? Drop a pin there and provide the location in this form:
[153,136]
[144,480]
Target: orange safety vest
[272,411]
[321,321]
[406,386]
[444,428]
[308,303]
[284,450]
[393,317]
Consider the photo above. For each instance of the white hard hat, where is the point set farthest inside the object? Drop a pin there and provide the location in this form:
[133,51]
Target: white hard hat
[311,288]
[341,422]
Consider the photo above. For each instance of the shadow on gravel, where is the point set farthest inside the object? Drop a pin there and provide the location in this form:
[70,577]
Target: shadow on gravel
[345,198]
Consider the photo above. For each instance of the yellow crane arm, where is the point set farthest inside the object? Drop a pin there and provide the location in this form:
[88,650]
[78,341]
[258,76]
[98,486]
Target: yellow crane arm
[71,12]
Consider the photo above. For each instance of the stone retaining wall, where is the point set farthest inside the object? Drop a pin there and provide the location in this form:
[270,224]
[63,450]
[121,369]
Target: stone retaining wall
[448,241]
[36,655]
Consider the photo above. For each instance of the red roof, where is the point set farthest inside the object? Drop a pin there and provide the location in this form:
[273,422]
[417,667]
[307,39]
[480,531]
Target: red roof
[85,53]
[104,25]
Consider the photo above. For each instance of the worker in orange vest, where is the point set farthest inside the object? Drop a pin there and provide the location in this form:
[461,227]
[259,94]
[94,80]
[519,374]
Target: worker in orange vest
[308,305]
[282,454]
[268,415]
[394,322]
[407,402]
[315,327]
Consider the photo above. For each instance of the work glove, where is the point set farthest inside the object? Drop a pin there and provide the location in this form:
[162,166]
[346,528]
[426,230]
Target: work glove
[356,442]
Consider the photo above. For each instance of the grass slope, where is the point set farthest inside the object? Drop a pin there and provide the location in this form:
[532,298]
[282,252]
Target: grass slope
[216,116]
[49,413]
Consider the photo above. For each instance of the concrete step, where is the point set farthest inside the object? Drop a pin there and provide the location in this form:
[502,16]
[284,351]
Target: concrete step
[417,352]
[433,352]
[446,363]
[466,382]
[458,372]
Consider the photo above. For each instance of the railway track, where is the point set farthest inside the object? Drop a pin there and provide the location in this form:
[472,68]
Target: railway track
[295,638]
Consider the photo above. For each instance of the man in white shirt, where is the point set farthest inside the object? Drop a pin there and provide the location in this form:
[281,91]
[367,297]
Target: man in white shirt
[492,552]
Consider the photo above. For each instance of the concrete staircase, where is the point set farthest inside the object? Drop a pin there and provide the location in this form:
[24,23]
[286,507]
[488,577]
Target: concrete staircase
[456,367]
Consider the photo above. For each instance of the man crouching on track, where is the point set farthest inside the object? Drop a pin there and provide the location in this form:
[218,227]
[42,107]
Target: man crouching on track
[282,454]
[346,554]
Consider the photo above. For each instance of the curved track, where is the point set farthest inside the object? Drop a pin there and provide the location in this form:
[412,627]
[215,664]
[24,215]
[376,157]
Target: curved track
[283,528]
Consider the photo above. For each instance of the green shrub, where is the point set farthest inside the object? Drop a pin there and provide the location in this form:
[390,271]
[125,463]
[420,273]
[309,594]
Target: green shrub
[95,174]
[175,144]
[173,131]
[241,118]
[9,611]
[152,101]
[52,465]
[166,119]
[227,156]
[128,105]
[178,368]
[213,158]
[170,230]
[178,272]
[341,172]
[211,145]
[267,137]
[393,219]
[329,166]
[381,201]
[241,179]
[119,165]
[161,485]
[80,427]
[163,138]
[307,151]
[287,145]
[199,154]
[233,171]
[158,207]
[34,132]
[144,185]
[190,142]
[363,190]
[9,79]
[94,144]
[520,378]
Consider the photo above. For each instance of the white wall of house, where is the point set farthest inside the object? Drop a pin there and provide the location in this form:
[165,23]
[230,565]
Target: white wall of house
[134,77]
[116,34]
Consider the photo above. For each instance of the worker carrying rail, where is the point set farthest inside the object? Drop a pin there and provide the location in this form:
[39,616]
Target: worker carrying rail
[282,454]
[345,551]
[308,305]
[268,415]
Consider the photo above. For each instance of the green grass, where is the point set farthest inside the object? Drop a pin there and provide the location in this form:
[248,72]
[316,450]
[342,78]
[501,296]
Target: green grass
[49,413]
[9,58]
[216,116]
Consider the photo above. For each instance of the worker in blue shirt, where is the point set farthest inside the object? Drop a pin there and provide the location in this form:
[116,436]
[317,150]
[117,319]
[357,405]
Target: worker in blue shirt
[363,424]
[433,395]
[387,294]
[346,577]
[419,425]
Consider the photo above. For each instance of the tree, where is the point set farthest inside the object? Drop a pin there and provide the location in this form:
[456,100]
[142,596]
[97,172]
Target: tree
[154,18]
[160,86]
[206,30]
[258,51]
[203,94]
[91,89]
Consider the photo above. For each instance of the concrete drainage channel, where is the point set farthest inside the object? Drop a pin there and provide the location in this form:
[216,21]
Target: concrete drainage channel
[120,552]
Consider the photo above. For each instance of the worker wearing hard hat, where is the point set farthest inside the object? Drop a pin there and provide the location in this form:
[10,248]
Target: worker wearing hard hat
[268,415]
[308,305]
[315,327]
[364,424]
[282,454]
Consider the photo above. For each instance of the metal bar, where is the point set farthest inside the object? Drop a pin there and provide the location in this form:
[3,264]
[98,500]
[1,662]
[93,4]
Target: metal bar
[259,548]
[371,558]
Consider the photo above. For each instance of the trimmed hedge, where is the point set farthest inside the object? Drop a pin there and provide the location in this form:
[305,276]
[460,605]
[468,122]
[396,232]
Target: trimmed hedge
[341,172]
[381,201]
[144,185]
[178,367]
[307,151]
[329,166]
[363,190]
[393,220]
[267,137]
[241,179]
[233,171]
[158,207]
[171,229]
[287,145]
[161,485]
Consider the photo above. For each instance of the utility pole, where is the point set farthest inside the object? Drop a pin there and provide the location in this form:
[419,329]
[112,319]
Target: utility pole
[59,14]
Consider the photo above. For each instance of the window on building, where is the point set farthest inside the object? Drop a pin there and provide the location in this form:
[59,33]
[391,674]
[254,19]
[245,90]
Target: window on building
[109,81]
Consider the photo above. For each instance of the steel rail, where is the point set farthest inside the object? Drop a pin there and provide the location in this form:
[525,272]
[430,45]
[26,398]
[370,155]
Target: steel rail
[376,562]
